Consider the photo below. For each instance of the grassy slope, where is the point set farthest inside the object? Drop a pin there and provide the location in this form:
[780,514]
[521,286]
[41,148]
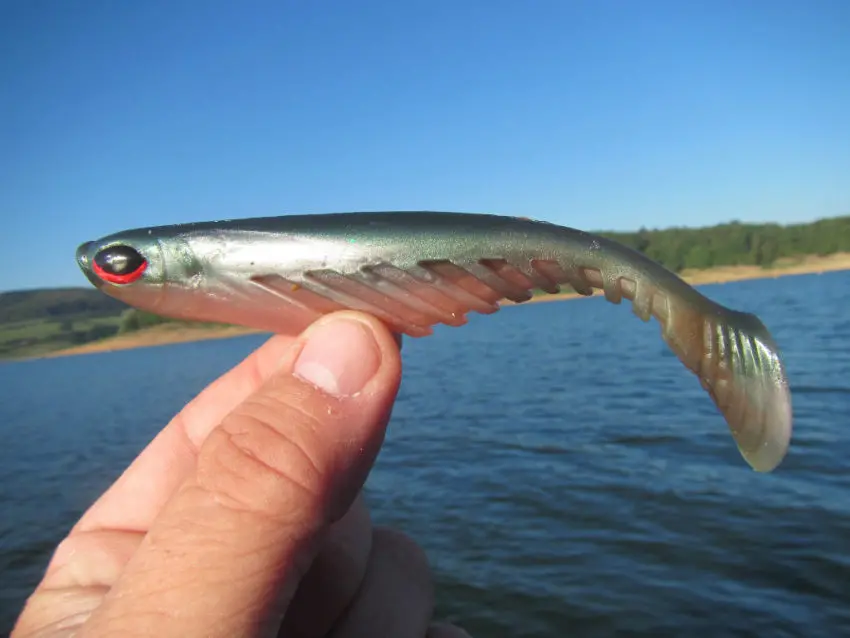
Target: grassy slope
[34,322]
[56,303]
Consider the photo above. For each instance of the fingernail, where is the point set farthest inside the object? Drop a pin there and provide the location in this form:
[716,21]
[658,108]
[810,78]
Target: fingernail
[339,357]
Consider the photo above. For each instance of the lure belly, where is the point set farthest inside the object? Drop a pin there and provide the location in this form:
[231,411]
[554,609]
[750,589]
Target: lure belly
[413,270]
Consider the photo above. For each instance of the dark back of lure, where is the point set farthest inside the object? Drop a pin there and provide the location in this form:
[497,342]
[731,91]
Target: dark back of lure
[416,269]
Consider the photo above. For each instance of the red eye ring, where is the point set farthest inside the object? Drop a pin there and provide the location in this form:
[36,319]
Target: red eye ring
[119,264]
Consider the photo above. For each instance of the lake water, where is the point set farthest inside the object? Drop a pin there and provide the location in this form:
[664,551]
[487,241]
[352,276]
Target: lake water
[566,475]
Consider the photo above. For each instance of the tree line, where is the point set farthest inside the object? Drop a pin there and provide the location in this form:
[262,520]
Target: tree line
[737,244]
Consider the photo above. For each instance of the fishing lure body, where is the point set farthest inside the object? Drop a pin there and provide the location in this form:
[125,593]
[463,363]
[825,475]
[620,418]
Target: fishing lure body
[417,269]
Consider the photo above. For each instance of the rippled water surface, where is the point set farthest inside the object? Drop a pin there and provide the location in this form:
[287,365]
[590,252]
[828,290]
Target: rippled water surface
[564,472]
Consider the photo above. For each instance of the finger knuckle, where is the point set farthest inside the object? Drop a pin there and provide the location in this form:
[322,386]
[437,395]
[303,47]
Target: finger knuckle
[265,458]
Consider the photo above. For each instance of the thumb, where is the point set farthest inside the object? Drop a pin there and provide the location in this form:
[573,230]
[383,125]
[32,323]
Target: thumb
[226,554]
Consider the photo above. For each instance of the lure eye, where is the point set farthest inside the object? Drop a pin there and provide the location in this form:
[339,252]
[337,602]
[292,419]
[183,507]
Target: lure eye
[119,264]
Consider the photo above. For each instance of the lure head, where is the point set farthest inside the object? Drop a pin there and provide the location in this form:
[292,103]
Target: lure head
[194,273]
[126,266]
[145,269]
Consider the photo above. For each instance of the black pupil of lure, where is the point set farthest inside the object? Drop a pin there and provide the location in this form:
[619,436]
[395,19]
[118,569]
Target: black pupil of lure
[119,260]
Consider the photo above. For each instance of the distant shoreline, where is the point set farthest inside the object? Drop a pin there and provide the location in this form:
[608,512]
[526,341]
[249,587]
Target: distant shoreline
[167,334]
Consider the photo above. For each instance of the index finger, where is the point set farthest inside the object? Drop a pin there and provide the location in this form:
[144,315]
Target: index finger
[136,498]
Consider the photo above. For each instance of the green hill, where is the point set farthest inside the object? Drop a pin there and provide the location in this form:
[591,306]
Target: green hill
[37,321]
[57,303]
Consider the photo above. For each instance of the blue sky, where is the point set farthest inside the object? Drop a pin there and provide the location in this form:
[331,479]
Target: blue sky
[599,114]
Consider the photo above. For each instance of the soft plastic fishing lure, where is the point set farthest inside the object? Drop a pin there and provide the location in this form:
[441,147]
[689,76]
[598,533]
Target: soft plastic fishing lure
[416,269]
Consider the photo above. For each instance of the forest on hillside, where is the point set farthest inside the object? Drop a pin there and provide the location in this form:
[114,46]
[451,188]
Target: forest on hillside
[737,244]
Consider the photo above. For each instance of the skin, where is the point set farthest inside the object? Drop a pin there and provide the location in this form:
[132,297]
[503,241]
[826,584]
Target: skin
[244,516]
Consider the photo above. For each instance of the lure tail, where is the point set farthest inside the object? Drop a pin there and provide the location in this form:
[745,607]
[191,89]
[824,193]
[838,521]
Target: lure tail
[738,364]
[732,353]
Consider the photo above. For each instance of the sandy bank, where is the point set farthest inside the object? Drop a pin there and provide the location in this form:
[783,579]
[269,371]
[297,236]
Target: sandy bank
[156,336]
[168,334]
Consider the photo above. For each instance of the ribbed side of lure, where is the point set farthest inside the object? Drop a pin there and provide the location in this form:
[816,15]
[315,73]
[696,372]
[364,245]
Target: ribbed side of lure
[415,270]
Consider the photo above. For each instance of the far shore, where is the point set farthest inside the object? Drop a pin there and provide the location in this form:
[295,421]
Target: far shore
[179,333]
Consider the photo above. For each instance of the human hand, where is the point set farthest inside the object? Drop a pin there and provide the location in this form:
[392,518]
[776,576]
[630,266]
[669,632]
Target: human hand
[243,517]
